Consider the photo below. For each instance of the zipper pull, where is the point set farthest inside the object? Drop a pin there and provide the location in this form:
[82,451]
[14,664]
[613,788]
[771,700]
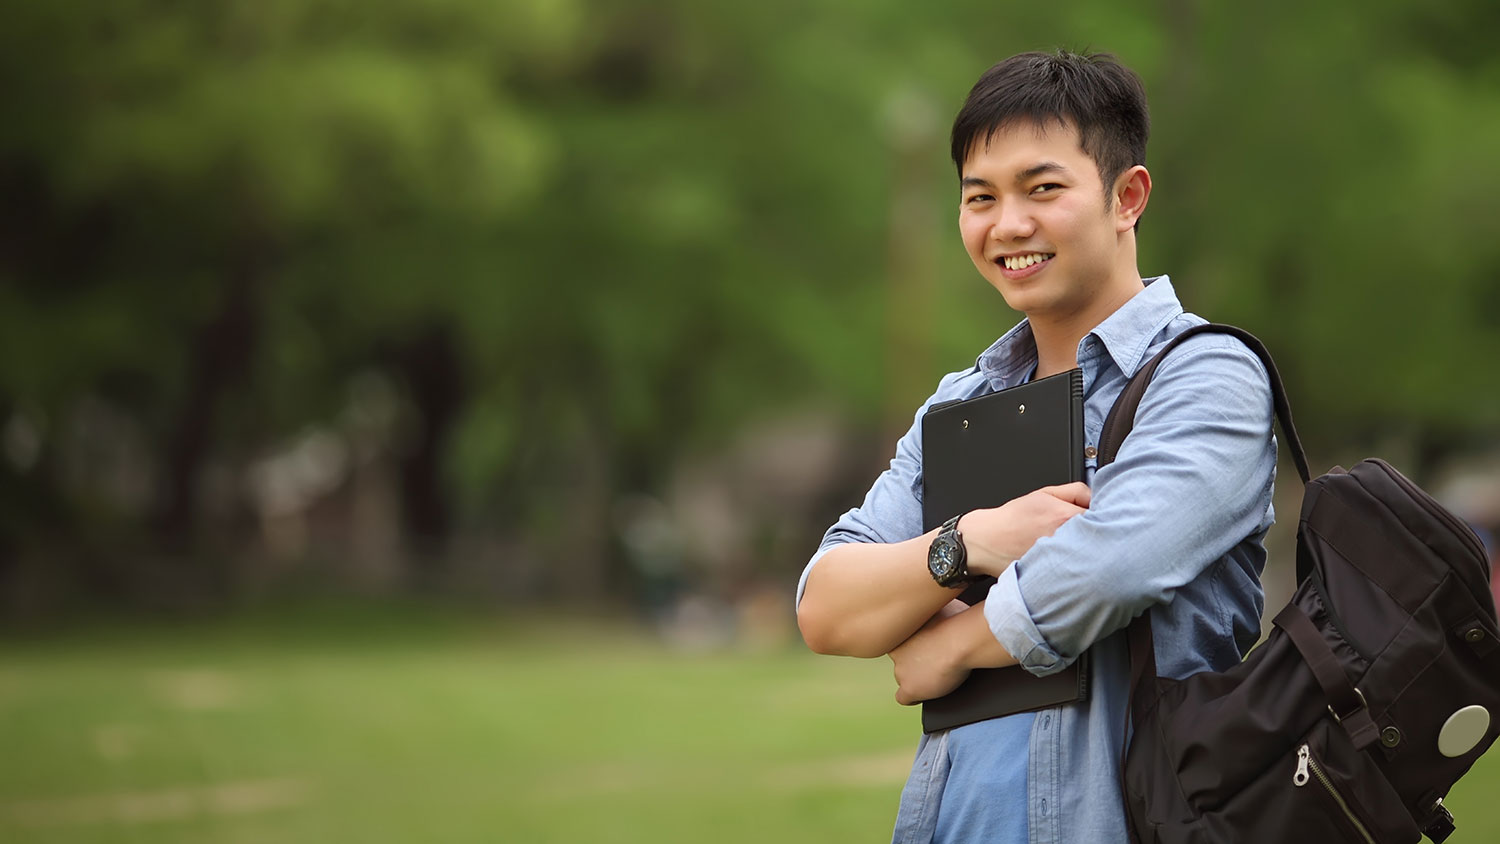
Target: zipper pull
[1299,779]
[1441,826]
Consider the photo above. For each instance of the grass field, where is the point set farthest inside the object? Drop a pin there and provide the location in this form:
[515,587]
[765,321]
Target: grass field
[414,727]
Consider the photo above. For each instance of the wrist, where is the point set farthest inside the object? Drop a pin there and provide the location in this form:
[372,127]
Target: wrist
[982,559]
[971,629]
[989,565]
[947,556]
[975,646]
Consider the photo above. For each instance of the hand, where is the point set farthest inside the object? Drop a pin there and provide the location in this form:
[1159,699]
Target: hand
[996,537]
[925,665]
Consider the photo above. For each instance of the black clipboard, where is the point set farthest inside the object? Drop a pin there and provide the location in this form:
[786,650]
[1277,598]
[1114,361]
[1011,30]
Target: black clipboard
[983,452]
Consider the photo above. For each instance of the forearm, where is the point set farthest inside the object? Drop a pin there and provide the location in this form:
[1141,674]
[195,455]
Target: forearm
[972,641]
[864,599]
[940,656]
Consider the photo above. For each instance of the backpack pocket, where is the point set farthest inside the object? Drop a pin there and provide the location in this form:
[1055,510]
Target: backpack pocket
[1319,789]
[1348,788]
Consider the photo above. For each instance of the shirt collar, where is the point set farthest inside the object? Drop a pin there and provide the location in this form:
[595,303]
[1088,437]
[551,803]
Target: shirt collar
[1125,334]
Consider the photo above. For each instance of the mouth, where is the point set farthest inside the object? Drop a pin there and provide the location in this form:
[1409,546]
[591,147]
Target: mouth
[1025,265]
[1021,262]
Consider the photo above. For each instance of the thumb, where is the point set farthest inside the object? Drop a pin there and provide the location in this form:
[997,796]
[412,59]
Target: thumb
[1076,493]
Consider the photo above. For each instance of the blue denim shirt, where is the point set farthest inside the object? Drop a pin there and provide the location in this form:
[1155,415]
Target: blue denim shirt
[1176,523]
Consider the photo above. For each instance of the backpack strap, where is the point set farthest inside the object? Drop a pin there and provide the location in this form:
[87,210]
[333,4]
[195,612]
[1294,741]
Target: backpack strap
[1346,703]
[1117,425]
[1122,416]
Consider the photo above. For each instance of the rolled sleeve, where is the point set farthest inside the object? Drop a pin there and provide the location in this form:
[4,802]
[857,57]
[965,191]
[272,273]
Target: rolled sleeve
[1010,621]
[1191,482]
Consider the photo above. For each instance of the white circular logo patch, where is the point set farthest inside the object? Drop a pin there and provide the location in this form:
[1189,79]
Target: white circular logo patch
[1463,730]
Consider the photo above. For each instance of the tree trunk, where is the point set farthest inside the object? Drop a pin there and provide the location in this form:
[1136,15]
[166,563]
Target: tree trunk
[431,367]
[221,354]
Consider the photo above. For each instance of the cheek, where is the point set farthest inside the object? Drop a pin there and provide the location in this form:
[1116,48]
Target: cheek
[972,233]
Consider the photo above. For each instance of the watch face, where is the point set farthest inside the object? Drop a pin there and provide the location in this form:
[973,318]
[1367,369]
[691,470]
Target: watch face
[944,562]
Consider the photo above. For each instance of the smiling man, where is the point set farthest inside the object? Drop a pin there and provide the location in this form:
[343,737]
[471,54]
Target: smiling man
[1050,150]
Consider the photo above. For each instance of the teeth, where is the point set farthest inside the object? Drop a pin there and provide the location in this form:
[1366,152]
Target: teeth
[1021,262]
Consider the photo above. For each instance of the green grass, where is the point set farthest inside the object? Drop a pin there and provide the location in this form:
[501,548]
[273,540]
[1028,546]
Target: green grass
[410,726]
[432,730]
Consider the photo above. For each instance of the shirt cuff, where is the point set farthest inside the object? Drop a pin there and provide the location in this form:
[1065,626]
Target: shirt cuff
[1010,621]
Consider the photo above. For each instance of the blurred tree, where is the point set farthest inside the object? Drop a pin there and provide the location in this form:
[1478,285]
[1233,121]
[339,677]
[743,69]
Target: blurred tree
[1326,182]
[576,240]
[170,173]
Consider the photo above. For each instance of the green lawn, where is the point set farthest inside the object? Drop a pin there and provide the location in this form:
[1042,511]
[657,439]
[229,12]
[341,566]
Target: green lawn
[426,728]
[405,727]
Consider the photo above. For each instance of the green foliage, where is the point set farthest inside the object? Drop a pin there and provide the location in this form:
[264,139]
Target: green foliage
[641,226]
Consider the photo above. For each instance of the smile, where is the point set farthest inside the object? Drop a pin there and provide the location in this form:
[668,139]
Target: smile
[1021,262]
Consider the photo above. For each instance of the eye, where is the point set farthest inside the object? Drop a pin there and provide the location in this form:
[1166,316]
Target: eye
[1046,188]
[978,197]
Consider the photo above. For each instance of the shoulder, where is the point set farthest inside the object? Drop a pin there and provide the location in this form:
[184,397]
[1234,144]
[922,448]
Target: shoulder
[1206,354]
[959,384]
[1208,376]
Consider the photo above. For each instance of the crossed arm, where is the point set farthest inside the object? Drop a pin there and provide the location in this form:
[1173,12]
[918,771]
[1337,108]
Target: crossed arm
[938,657]
[1192,481]
[869,599]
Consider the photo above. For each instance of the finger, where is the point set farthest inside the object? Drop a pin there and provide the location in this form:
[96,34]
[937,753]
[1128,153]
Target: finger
[1076,493]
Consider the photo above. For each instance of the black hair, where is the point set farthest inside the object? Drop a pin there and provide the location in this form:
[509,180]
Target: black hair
[1094,93]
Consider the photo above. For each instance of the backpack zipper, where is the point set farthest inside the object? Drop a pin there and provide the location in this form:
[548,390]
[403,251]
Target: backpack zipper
[1306,763]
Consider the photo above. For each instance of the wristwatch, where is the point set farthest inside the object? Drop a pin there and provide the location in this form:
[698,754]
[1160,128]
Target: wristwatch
[947,559]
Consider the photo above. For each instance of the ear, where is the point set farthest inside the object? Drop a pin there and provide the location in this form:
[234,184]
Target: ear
[1132,191]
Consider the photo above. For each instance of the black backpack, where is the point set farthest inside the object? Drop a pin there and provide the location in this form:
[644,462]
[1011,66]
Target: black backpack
[1370,697]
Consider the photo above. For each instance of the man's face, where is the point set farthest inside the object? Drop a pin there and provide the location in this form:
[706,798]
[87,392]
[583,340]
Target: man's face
[1036,222]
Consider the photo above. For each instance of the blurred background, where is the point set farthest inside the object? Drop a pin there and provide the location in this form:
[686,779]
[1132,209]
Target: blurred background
[415,414]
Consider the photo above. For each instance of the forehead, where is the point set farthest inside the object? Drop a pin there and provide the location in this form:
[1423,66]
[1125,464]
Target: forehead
[1020,145]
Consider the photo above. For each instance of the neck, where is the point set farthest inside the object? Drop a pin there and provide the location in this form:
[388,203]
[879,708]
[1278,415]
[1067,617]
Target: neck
[1057,336]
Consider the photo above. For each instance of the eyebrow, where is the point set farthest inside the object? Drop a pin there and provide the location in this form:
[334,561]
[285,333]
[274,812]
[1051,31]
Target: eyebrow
[1039,169]
[1029,173]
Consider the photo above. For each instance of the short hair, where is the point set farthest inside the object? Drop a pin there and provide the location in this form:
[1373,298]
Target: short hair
[1098,96]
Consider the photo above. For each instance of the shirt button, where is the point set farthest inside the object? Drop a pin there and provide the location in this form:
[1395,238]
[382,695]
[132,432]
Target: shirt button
[1091,452]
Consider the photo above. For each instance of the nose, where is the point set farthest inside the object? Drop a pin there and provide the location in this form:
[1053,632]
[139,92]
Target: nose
[1012,223]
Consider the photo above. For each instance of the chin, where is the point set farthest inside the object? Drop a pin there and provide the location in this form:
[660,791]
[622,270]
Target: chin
[1022,301]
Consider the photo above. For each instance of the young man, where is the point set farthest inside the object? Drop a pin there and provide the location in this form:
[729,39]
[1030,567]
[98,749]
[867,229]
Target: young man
[1050,150]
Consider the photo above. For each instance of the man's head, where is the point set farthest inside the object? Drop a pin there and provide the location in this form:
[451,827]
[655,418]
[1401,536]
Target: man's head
[1099,97]
[1049,151]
